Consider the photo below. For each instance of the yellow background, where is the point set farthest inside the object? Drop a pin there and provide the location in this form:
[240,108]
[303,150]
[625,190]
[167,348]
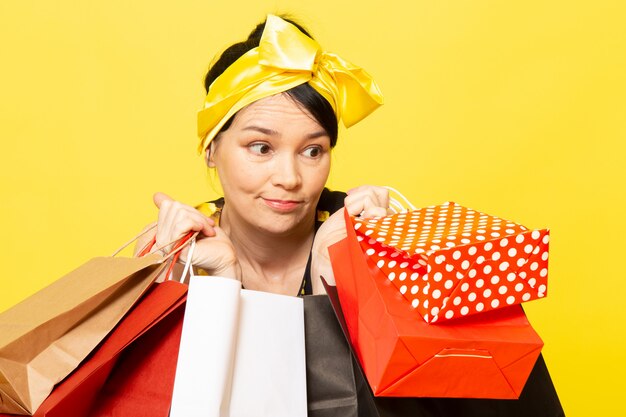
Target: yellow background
[513,108]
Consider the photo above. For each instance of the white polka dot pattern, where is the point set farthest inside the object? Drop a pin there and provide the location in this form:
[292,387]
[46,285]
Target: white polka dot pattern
[451,261]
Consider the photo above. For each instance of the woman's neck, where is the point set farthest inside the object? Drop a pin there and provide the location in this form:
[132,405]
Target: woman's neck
[273,263]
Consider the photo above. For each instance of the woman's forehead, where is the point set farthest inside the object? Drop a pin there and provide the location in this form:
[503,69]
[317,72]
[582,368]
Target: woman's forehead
[276,109]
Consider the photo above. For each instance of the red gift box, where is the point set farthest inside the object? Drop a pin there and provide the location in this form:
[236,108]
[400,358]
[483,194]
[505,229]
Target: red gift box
[450,261]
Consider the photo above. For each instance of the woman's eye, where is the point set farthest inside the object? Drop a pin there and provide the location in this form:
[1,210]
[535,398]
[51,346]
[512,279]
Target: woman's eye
[313,151]
[259,148]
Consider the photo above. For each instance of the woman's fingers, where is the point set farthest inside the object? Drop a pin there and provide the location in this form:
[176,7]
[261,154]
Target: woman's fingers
[373,209]
[367,201]
[216,255]
[176,220]
[214,252]
[160,197]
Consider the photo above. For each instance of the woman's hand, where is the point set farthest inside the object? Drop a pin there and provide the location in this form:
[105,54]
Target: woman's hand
[214,251]
[367,201]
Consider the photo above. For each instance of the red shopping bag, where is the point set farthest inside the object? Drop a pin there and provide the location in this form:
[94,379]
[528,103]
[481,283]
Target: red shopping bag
[142,381]
[450,261]
[132,372]
[489,355]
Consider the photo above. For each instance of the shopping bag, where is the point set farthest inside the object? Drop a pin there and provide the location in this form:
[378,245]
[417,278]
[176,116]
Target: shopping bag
[46,336]
[336,386]
[132,371]
[450,261]
[330,378]
[142,380]
[241,353]
[482,356]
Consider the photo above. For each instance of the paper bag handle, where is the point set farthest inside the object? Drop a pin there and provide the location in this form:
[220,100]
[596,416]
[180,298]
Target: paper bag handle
[174,254]
[146,249]
[125,245]
[176,251]
[188,264]
[397,206]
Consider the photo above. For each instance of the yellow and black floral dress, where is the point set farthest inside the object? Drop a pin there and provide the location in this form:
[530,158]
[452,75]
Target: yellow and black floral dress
[330,202]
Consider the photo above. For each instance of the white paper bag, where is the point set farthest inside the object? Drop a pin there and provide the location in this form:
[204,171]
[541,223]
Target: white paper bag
[241,353]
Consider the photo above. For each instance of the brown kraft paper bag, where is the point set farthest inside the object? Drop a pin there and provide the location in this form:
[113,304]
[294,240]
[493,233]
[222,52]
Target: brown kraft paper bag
[46,336]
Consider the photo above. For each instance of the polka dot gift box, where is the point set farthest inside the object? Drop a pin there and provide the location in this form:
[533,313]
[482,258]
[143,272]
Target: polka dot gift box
[450,261]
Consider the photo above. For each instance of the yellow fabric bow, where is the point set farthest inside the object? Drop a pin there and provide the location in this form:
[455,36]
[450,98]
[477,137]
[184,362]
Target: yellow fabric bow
[286,58]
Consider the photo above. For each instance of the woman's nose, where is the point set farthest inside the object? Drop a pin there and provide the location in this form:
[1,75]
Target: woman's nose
[286,173]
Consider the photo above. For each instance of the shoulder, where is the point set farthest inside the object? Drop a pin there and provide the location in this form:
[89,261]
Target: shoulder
[212,208]
[329,203]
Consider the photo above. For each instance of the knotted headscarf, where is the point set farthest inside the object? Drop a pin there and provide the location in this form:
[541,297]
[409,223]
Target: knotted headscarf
[286,58]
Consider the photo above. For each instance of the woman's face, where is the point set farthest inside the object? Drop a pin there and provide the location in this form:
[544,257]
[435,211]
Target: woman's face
[273,162]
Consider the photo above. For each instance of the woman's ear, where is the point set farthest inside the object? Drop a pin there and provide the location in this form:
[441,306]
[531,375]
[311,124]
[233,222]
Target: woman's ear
[210,152]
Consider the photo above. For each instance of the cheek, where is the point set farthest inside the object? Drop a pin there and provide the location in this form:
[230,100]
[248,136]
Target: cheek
[319,175]
[241,176]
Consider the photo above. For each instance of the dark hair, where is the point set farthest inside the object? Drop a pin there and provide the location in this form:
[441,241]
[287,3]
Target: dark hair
[303,94]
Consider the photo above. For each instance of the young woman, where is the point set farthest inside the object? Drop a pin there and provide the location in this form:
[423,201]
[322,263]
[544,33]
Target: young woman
[268,126]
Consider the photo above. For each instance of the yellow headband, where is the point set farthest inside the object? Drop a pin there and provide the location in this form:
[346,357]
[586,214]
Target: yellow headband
[286,58]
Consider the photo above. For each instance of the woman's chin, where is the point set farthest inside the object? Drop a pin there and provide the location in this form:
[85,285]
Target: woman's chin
[284,225]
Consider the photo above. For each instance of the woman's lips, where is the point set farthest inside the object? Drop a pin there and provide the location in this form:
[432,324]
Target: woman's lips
[282,205]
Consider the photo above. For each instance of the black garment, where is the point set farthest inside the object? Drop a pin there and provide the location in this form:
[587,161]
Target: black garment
[329,202]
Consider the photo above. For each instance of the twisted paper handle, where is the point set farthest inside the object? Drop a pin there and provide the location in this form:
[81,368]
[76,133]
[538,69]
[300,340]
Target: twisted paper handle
[125,245]
[174,254]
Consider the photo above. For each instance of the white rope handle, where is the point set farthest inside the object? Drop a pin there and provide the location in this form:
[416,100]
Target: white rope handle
[188,265]
[395,204]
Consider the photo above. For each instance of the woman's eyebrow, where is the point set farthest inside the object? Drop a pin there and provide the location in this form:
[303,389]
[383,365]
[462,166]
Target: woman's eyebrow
[271,132]
[260,129]
[318,134]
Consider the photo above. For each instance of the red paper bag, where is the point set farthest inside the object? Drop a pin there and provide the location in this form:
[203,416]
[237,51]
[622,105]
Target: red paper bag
[142,381]
[135,362]
[450,261]
[482,356]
